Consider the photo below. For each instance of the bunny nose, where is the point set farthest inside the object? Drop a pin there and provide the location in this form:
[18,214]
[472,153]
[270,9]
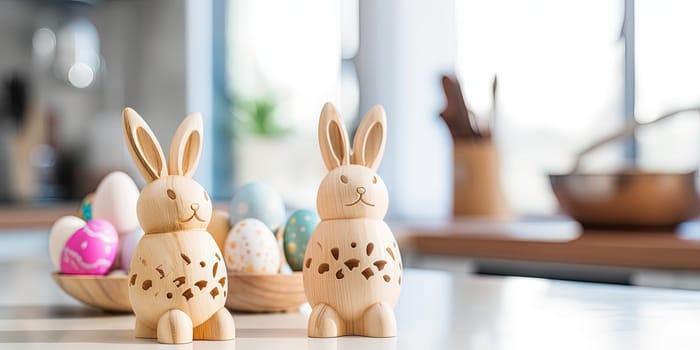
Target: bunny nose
[361,190]
[194,206]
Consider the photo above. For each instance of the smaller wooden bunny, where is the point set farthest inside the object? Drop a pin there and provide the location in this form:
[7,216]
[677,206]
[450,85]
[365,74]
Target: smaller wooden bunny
[177,282]
[352,267]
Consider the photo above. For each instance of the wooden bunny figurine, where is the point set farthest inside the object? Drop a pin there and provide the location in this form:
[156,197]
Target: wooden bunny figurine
[352,266]
[177,281]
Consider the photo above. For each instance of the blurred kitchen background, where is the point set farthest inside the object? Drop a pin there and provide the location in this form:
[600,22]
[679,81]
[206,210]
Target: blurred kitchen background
[567,74]
[260,71]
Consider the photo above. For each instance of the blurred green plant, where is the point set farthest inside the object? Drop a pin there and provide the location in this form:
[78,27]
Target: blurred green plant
[257,117]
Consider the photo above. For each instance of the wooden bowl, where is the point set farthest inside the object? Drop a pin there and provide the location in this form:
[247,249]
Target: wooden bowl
[108,293]
[628,199]
[252,292]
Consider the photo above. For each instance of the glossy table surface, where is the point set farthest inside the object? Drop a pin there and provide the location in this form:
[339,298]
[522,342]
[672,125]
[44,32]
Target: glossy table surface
[436,311]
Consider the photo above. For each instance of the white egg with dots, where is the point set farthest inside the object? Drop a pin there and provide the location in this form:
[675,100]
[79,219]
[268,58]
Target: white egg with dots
[252,248]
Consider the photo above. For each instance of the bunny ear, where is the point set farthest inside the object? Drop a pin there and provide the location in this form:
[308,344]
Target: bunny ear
[186,146]
[368,146]
[332,138]
[143,146]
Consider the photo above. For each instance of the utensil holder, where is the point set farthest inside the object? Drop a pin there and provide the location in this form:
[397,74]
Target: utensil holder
[477,181]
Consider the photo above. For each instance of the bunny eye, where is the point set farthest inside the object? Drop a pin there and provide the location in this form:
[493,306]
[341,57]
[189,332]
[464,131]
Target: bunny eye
[374,179]
[343,179]
[206,196]
[171,194]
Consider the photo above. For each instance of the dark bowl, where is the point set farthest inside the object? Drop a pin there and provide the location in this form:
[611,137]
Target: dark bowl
[627,199]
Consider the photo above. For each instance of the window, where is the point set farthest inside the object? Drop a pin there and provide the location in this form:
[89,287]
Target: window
[286,59]
[560,85]
[668,77]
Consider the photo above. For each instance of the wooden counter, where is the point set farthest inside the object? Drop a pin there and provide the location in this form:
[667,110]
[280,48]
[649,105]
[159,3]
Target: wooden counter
[35,216]
[561,241]
[43,216]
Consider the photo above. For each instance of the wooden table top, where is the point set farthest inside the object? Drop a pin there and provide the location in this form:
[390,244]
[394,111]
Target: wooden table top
[436,310]
[559,240]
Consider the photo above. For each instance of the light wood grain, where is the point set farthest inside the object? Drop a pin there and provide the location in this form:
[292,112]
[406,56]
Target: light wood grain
[177,281]
[219,226]
[108,293]
[352,266]
[477,180]
[250,292]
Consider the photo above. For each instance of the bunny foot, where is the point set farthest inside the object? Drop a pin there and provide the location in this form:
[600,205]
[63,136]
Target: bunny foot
[174,327]
[218,327]
[379,321]
[324,322]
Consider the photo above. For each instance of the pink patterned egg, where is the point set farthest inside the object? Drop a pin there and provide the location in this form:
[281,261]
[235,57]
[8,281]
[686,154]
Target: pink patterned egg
[91,250]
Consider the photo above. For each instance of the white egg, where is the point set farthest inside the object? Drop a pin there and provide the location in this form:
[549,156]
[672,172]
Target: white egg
[251,247]
[117,272]
[60,232]
[127,246]
[115,201]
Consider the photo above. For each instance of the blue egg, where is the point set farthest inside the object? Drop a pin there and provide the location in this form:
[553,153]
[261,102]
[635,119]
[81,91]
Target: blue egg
[300,225]
[258,201]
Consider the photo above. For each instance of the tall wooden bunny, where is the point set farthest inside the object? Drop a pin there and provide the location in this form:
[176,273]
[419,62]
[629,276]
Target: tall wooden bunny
[352,267]
[177,281]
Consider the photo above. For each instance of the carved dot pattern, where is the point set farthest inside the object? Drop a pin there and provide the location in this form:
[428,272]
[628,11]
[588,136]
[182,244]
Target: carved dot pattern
[367,273]
[169,295]
[213,271]
[323,268]
[185,258]
[202,264]
[179,281]
[147,284]
[133,280]
[391,252]
[222,281]
[335,252]
[386,278]
[339,274]
[353,245]
[160,271]
[188,294]
[380,264]
[352,263]
[214,292]
[370,248]
[308,263]
[201,284]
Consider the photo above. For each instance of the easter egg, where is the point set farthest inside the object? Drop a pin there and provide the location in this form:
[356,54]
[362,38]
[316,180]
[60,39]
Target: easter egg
[127,246]
[258,201]
[85,211]
[91,250]
[300,225]
[60,232]
[115,201]
[251,247]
